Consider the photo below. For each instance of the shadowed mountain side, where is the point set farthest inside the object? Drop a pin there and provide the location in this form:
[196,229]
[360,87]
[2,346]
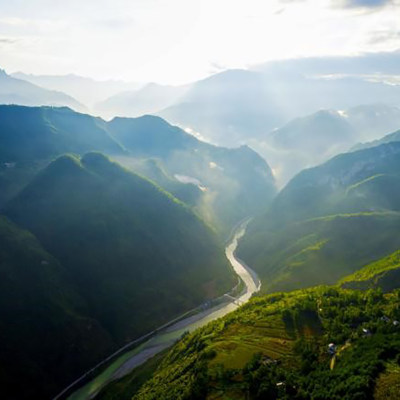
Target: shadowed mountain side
[30,137]
[235,183]
[46,333]
[32,133]
[133,250]
[190,192]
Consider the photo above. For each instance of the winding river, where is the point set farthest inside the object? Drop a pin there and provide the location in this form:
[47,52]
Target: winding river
[166,337]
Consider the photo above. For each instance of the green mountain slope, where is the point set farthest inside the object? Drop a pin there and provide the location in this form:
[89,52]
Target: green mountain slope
[46,334]
[30,137]
[328,221]
[321,250]
[384,273]
[236,183]
[155,170]
[277,347]
[137,255]
[31,133]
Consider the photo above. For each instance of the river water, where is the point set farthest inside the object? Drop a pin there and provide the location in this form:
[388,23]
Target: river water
[167,337]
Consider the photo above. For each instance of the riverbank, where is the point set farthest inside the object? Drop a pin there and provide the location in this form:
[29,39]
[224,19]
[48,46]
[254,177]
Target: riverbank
[166,336]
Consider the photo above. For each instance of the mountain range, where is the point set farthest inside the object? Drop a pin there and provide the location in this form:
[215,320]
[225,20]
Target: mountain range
[111,228]
[18,91]
[231,183]
[87,91]
[336,224]
[146,100]
[255,107]
[308,141]
[328,221]
[99,257]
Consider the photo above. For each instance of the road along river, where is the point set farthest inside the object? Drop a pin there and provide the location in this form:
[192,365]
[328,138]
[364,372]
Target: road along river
[166,337]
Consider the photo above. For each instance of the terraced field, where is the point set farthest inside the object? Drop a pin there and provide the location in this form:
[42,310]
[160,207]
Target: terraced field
[276,346]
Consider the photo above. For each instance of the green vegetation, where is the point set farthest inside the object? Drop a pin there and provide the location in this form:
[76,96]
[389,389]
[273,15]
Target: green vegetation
[384,273]
[388,384]
[377,268]
[277,347]
[235,183]
[321,250]
[36,133]
[124,241]
[329,221]
[122,388]
[133,255]
[31,137]
[46,332]
[155,170]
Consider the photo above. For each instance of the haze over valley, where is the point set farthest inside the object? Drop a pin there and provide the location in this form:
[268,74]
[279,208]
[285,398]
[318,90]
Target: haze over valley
[200,201]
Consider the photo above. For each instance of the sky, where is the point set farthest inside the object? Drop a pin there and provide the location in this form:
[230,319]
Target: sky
[179,41]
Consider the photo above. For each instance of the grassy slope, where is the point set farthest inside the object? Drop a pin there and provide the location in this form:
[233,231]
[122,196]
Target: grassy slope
[329,221]
[322,250]
[284,338]
[384,273]
[44,323]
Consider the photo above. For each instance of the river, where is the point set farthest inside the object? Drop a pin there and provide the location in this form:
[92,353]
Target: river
[167,337]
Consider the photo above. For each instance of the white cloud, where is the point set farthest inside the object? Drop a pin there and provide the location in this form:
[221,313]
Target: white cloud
[176,41]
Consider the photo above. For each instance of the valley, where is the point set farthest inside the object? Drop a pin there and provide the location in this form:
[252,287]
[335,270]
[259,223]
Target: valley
[164,337]
[200,200]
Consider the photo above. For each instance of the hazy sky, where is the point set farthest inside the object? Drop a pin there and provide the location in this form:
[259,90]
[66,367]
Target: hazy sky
[176,41]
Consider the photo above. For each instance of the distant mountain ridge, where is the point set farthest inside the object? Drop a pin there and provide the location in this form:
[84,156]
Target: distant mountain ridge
[391,137]
[18,91]
[87,90]
[146,100]
[308,141]
[236,181]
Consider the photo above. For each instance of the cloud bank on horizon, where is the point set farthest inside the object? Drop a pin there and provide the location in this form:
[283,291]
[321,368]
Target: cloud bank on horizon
[177,41]
[366,3]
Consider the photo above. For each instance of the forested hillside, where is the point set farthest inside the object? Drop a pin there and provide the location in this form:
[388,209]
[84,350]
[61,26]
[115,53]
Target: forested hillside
[328,221]
[133,256]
